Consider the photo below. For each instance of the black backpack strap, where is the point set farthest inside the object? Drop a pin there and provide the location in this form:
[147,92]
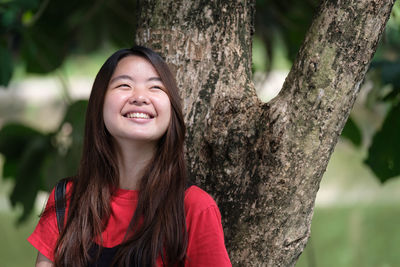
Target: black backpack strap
[60,201]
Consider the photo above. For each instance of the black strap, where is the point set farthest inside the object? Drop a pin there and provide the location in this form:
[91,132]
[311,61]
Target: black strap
[59,196]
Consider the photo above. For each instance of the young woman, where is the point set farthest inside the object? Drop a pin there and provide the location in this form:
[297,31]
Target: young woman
[130,204]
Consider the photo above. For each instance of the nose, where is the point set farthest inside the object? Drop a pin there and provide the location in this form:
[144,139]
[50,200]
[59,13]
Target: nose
[139,97]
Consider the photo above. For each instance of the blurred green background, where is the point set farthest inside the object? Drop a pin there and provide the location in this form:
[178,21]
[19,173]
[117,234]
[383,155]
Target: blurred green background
[50,53]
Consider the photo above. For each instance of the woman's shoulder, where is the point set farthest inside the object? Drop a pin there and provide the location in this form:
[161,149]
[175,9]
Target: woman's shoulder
[198,200]
[50,204]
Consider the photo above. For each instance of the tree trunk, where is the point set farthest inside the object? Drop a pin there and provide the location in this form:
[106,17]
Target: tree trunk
[262,162]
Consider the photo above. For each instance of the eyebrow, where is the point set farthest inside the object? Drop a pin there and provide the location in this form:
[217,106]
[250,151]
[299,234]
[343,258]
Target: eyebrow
[157,79]
[121,77]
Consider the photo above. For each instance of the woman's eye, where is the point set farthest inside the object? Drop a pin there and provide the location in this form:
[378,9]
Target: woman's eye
[156,88]
[123,85]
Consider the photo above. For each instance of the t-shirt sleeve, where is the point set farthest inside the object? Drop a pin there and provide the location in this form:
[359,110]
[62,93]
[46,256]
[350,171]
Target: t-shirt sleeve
[206,245]
[45,235]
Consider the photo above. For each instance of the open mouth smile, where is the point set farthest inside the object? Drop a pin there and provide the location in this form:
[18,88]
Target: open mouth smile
[138,115]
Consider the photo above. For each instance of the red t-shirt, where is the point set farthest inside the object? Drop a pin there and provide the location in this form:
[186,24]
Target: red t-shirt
[206,245]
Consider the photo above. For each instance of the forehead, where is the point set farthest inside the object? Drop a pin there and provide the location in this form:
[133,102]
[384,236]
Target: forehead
[135,66]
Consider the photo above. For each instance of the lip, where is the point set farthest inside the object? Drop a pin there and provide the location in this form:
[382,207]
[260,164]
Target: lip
[139,121]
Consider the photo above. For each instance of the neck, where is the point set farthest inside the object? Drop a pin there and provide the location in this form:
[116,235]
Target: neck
[132,161]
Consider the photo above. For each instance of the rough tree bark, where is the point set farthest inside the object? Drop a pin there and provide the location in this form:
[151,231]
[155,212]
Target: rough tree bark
[263,162]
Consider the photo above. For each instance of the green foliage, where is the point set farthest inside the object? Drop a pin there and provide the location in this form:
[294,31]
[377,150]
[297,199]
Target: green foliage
[36,160]
[384,153]
[353,236]
[17,134]
[15,251]
[24,149]
[28,174]
[6,65]
[41,34]
[283,19]
[352,132]
[389,74]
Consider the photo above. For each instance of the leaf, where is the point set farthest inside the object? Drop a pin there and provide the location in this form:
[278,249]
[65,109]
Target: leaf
[47,42]
[14,139]
[24,149]
[10,168]
[118,22]
[75,115]
[389,73]
[41,51]
[8,16]
[352,132]
[384,152]
[29,178]
[6,69]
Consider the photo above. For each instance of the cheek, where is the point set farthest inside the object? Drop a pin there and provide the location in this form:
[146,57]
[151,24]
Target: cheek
[110,109]
[164,109]
[167,109]
[106,110]
[112,102]
[167,119]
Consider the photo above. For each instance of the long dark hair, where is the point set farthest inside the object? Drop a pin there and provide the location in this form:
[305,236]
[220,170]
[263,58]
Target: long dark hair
[159,219]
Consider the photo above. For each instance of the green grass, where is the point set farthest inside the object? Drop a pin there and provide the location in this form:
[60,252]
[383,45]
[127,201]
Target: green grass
[355,236]
[15,251]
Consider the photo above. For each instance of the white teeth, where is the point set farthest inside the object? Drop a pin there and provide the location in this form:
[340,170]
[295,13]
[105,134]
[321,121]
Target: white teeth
[138,115]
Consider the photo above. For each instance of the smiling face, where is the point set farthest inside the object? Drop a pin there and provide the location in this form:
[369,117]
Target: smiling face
[136,105]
